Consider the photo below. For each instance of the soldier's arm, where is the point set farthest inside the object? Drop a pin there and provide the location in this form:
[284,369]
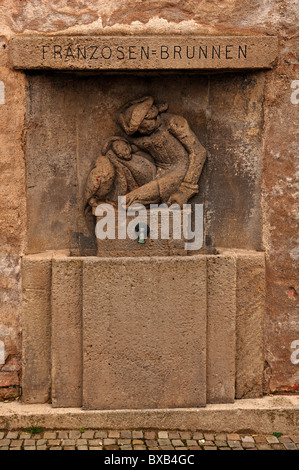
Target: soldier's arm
[179,127]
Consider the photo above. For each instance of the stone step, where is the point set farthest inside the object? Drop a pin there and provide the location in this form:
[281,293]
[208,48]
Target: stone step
[259,415]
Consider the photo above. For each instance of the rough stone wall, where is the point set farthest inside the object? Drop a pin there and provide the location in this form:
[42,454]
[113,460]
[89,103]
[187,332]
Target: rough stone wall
[281,211]
[280,164]
[12,217]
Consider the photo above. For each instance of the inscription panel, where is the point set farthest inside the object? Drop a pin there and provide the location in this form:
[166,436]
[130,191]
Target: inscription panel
[149,53]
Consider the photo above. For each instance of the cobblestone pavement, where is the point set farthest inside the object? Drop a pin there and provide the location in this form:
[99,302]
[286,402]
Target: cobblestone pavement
[84,439]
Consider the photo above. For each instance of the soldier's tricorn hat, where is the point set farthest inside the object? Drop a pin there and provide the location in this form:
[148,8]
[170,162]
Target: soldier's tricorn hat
[132,114]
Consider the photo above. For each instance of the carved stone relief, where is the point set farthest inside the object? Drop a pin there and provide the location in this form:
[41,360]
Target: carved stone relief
[159,161]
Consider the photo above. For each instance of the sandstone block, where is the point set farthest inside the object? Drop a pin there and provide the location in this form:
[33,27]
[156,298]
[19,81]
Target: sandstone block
[250,325]
[144,333]
[36,272]
[221,329]
[36,321]
[67,333]
[153,52]
[36,344]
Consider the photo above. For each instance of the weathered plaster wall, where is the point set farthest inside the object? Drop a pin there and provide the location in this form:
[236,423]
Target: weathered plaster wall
[281,211]
[12,218]
[280,163]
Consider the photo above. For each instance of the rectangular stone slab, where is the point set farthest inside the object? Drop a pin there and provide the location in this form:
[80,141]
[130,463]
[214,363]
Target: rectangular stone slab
[250,325]
[221,329]
[36,332]
[67,332]
[143,53]
[144,333]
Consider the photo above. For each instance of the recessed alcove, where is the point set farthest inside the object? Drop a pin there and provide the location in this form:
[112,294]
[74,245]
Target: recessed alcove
[70,115]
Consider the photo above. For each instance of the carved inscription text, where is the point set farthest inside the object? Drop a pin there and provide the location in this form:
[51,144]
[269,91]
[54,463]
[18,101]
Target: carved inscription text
[143,53]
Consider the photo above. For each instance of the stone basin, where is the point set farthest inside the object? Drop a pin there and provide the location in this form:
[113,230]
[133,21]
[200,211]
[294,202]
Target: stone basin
[142,332]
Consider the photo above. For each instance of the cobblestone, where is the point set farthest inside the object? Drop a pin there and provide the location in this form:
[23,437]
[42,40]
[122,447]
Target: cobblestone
[290,446]
[233,437]
[163,435]
[74,434]
[101,434]
[92,439]
[16,443]
[137,434]
[234,444]
[50,435]
[81,442]
[108,442]
[248,445]
[209,437]
[185,435]
[4,442]
[272,440]
[94,442]
[263,447]
[221,443]
[12,435]
[284,439]
[88,435]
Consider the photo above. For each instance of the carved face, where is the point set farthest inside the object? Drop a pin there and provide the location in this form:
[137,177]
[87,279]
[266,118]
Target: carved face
[152,113]
[151,121]
[122,149]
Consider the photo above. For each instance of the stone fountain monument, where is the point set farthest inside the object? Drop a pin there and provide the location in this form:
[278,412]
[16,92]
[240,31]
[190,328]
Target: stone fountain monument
[117,324]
